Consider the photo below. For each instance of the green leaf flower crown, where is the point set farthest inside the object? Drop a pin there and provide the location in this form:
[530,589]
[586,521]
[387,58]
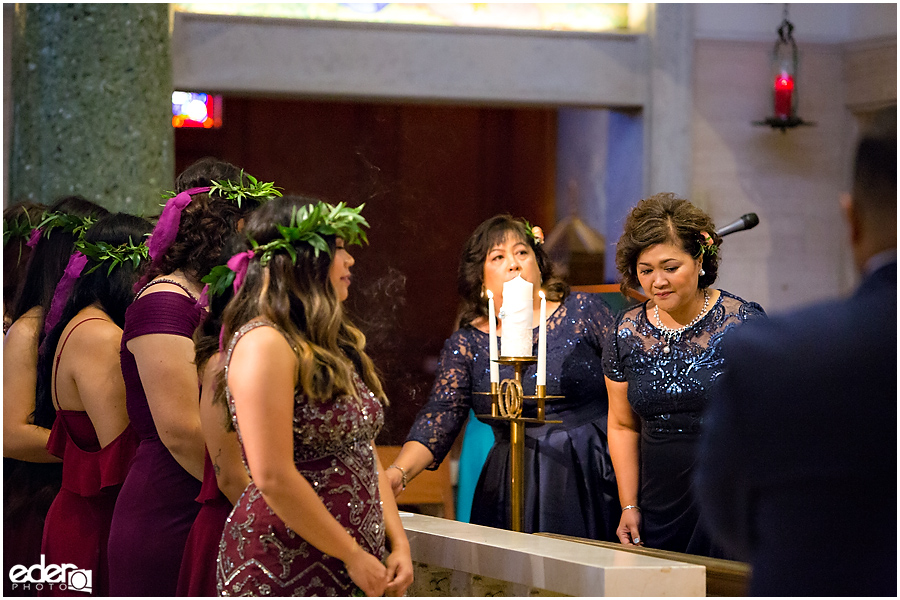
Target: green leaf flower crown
[103,252]
[19,227]
[238,192]
[69,223]
[308,224]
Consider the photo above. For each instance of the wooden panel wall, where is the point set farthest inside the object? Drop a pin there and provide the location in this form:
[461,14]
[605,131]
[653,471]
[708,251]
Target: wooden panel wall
[428,174]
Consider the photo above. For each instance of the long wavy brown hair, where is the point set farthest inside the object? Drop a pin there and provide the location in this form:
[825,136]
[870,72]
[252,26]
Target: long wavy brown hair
[299,299]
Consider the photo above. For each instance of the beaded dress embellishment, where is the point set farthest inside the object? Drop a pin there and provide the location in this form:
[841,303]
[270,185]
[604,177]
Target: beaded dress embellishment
[259,554]
[668,333]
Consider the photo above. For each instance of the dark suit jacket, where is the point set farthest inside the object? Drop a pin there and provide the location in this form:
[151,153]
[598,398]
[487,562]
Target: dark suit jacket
[798,465]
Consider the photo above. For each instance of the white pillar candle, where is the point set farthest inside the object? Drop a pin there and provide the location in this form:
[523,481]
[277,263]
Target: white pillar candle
[542,342]
[492,339]
[517,314]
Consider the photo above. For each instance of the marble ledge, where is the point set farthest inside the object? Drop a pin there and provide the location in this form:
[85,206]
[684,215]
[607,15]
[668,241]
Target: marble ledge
[461,559]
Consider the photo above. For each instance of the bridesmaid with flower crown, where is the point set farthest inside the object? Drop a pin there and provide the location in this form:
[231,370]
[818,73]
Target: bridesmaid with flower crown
[318,517]
[32,475]
[81,382]
[156,507]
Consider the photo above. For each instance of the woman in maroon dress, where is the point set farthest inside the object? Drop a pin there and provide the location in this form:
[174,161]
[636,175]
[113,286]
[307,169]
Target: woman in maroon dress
[156,506]
[31,475]
[224,476]
[81,381]
[307,405]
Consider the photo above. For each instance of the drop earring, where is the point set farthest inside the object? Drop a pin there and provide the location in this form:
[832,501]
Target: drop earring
[702,272]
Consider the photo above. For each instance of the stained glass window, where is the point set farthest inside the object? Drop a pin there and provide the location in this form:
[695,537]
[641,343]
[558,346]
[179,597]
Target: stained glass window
[196,109]
[570,16]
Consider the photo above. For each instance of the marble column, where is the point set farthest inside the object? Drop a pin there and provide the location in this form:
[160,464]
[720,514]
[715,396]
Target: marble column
[91,89]
[670,35]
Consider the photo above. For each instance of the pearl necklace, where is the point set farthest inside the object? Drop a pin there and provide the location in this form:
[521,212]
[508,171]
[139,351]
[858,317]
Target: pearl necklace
[669,333]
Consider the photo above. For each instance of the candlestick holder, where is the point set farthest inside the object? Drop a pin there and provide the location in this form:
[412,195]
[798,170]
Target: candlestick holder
[507,402]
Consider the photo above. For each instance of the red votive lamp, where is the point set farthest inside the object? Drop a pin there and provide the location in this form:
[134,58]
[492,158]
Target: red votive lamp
[784,93]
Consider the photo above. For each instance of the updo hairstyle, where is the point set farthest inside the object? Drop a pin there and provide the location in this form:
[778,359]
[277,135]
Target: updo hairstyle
[206,223]
[665,219]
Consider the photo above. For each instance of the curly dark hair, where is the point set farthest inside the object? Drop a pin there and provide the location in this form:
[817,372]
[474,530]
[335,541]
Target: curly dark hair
[206,223]
[470,280]
[665,219]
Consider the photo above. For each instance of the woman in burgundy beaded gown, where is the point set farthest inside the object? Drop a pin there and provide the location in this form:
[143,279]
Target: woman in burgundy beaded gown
[156,506]
[81,381]
[319,515]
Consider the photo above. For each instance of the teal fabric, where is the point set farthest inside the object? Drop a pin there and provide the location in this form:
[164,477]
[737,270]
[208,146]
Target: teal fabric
[617,301]
[477,441]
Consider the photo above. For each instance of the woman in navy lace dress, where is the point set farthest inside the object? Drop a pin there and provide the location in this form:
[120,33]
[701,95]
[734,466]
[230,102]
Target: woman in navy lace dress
[660,362]
[569,482]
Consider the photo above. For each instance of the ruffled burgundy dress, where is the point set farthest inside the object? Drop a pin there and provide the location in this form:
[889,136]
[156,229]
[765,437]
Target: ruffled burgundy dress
[198,567]
[77,527]
[260,555]
[156,506]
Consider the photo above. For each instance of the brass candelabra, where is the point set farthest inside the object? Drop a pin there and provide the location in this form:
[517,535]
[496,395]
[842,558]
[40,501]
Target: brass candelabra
[507,402]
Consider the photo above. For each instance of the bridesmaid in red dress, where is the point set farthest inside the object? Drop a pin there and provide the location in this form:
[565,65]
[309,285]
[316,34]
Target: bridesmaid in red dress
[318,517]
[224,477]
[81,381]
[31,475]
[156,506]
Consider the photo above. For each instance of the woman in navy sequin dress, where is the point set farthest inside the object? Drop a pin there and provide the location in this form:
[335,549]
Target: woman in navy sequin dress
[318,517]
[569,481]
[660,362]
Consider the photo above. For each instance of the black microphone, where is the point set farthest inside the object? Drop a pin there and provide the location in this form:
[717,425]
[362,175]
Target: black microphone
[748,221]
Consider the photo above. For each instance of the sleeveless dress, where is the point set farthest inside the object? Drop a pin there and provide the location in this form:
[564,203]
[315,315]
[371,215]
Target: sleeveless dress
[156,506]
[570,486]
[259,554]
[198,567]
[669,392]
[77,527]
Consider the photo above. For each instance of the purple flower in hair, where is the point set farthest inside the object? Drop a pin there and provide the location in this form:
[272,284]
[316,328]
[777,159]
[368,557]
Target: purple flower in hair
[73,271]
[33,238]
[239,263]
[167,227]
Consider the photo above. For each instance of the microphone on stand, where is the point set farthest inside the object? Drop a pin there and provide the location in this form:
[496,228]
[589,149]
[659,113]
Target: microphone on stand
[748,221]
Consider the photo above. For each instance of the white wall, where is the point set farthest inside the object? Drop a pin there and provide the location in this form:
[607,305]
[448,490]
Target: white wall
[822,23]
[800,251]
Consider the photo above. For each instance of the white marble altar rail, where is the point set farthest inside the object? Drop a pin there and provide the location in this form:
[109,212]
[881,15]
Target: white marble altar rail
[535,565]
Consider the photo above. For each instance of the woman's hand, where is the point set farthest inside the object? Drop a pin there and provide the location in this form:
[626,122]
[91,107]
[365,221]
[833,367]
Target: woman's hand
[367,572]
[400,572]
[395,478]
[629,530]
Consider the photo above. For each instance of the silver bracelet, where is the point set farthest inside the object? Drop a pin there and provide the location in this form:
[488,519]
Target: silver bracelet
[403,478]
[635,507]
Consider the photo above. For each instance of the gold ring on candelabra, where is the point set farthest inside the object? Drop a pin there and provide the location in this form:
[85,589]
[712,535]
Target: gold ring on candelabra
[511,395]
